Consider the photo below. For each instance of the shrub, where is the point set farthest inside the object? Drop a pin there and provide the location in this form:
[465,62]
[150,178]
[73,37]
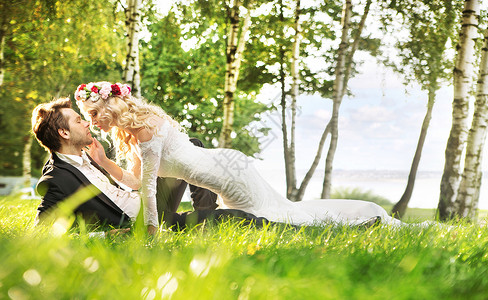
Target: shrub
[359,194]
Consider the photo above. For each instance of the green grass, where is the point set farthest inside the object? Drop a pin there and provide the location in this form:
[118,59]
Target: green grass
[233,261]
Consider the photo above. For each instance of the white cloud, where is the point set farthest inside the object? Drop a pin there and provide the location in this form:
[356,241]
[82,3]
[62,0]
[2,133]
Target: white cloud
[322,114]
[374,114]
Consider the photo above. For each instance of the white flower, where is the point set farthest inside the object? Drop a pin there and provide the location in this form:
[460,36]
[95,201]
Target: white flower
[81,94]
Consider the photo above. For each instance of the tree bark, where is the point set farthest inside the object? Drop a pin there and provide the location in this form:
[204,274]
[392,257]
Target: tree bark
[292,190]
[315,163]
[290,174]
[235,48]
[26,161]
[131,73]
[342,73]
[337,96]
[466,203]
[401,206]
[354,47]
[3,33]
[463,73]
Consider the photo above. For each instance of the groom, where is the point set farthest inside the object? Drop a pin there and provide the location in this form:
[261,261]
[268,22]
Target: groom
[64,134]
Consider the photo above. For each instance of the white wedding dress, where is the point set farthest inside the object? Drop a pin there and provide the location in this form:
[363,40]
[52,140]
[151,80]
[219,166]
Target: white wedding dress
[231,174]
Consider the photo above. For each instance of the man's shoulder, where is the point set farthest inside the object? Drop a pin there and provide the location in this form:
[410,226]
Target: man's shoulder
[52,170]
[55,173]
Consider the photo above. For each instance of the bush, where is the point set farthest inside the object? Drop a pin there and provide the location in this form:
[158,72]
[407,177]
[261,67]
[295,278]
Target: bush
[359,194]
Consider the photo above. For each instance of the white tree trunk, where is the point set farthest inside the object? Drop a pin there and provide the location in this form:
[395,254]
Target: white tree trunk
[3,33]
[463,78]
[292,193]
[26,162]
[337,96]
[235,49]
[289,168]
[133,24]
[468,195]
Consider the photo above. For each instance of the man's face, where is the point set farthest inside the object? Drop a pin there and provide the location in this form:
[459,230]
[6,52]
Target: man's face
[79,130]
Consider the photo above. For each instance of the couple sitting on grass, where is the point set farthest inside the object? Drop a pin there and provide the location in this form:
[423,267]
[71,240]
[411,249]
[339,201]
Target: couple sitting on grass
[161,161]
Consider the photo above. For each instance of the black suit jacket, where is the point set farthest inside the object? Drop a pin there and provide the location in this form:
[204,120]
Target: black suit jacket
[59,180]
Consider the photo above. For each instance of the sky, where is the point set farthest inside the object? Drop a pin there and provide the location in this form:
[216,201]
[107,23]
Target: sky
[379,125]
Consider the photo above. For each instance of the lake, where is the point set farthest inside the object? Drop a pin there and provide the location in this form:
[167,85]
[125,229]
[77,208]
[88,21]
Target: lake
[389,184]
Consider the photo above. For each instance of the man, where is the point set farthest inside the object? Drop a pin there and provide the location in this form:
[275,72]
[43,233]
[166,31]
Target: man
[64,134]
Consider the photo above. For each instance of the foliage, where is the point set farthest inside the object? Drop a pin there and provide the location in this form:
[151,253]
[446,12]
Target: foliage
[48,53]
[358,193]
[188,80]
[230,261]
[431,26]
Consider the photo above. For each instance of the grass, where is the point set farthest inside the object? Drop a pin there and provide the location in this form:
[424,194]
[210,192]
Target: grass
[233,261]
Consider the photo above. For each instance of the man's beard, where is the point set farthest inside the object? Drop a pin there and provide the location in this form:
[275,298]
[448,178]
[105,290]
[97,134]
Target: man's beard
[81,144]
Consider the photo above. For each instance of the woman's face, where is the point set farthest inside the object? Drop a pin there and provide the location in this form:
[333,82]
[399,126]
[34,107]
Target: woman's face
[101,123]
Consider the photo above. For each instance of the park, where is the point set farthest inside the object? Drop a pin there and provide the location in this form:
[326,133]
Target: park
[286,84]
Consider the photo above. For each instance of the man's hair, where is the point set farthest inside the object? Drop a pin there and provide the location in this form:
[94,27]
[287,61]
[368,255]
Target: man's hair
[47,118]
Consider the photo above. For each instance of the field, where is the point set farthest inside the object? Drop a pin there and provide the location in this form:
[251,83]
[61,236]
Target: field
[235,261]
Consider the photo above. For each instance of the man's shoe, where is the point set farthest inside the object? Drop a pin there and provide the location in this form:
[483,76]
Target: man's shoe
[374,221]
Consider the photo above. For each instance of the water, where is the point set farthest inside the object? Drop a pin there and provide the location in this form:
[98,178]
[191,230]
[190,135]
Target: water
[389,184]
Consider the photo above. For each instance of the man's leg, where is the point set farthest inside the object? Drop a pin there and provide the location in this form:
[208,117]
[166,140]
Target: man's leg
[169,192]
[189,219]
[203,199]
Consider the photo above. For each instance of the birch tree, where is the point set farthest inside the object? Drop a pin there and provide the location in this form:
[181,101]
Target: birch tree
[466,203]
[189,81]
[296,192]
[463,79]
[293,191]
[430,25]
[7,12]
[234,52]
[345,56]
[131,73]
[3,33]
[289,144]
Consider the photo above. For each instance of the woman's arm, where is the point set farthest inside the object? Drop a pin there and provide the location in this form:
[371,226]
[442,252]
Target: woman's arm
[151,159]
[128,178]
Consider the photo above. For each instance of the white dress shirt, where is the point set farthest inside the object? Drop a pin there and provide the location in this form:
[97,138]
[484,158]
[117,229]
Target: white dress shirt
[128,201]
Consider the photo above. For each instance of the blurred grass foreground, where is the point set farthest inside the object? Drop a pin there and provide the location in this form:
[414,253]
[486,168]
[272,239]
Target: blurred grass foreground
[234,261]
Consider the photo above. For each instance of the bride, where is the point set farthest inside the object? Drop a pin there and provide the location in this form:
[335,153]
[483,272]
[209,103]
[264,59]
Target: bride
[165,150]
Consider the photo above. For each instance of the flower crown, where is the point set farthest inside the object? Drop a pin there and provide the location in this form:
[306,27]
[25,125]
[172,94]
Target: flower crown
[97,90]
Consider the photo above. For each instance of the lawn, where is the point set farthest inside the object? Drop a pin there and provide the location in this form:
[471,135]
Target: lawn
[234,261]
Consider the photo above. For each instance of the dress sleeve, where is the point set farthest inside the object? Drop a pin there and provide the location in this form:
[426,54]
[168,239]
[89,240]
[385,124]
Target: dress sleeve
[151,159]
[131,177]
[130,180]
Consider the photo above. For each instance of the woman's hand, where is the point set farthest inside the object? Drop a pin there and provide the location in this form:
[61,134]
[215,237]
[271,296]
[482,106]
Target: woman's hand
[152,230]
[117,232]
[96,151]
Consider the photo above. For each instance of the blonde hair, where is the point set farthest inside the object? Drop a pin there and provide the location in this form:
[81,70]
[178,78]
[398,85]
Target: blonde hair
[125,112]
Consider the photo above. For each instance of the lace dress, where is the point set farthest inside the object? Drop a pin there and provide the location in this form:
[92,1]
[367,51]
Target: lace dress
[231,174]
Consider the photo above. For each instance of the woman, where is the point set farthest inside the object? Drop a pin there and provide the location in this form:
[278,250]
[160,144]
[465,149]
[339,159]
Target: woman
[165,151]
